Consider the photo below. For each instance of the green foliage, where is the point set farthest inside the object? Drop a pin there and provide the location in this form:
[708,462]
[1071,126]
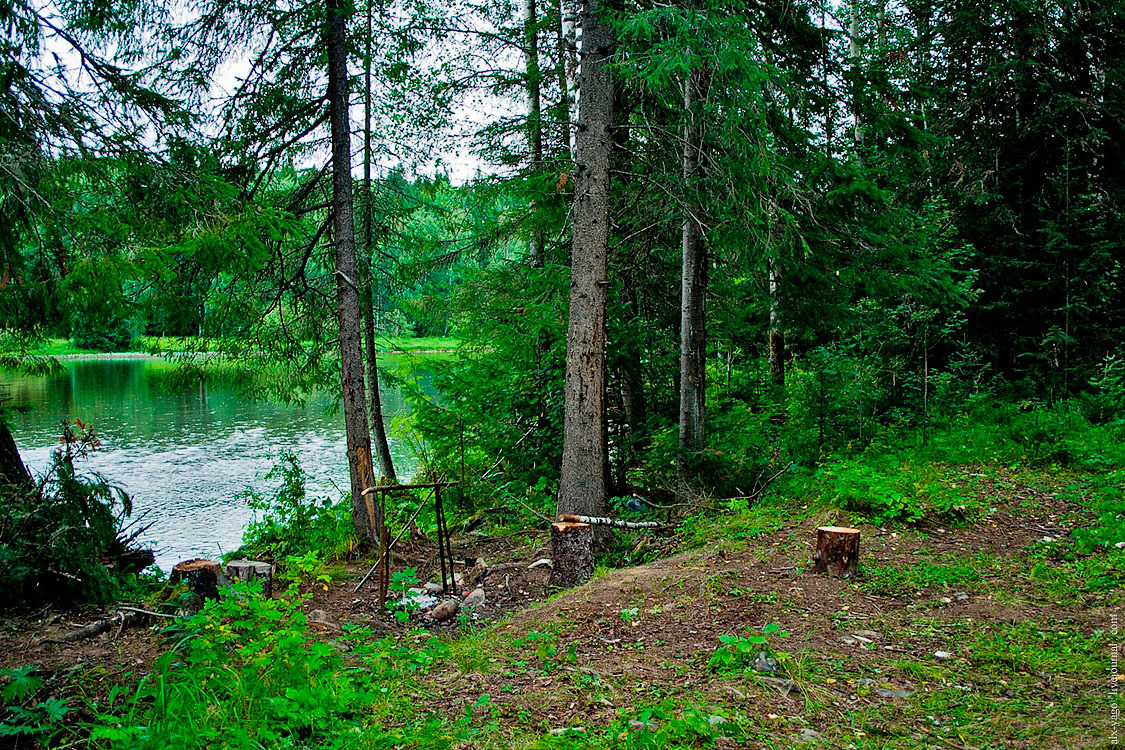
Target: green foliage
[739,651]
[294,524]
[888,489]
[21,715]
[56,538]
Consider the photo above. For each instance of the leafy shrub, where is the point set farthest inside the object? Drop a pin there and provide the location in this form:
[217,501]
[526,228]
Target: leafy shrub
[739,650]
[292,523]
[21,715]
[889,489]
[56,538]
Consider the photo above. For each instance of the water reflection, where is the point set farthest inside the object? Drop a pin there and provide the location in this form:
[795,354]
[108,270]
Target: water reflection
[184,453]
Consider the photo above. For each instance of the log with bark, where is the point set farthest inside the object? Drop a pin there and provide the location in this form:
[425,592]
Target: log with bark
[572,553]
[603,521]
[837,551]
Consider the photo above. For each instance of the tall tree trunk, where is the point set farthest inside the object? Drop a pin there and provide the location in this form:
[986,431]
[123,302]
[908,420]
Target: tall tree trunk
[534,120]
[568,71]
[582,485]
[347,293]
[854,53]
[693,286]
[367,274]
[13,472]
[777,337]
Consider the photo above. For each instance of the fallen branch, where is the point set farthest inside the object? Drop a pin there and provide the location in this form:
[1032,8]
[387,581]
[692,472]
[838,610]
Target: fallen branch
[753,495]
[601,521]
[94,628]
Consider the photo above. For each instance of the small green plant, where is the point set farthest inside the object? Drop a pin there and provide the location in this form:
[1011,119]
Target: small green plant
[546,650]
[292,523]
[631,616]
[22,715]
[401,580]
[738,651]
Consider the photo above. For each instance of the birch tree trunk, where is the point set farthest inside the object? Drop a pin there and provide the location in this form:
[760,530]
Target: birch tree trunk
[693,284]
[777,336]
[568,70]
[582,485]
[347,292]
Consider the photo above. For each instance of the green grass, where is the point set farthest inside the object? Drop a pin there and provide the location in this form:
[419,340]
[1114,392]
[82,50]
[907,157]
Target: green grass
[170,344]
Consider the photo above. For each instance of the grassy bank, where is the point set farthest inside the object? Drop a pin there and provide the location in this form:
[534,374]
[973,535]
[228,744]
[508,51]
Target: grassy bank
[174,344]
[982,617]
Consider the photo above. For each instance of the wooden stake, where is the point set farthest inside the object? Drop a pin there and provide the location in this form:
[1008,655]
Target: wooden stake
[837,551]
[572,554]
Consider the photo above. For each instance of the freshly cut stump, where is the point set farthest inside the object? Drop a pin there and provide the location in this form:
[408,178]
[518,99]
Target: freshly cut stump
[572,553]
[837,551]
[252,570]
[201,575]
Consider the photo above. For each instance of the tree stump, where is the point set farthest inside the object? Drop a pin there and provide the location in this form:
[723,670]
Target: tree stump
[252,570]
[837,551]
[202,576]
[572,553]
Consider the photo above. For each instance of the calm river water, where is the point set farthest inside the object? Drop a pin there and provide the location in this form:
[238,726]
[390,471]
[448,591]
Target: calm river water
[185,455]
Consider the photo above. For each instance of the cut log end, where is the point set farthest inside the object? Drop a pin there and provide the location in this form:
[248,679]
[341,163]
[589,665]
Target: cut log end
[572,553]
[837,551]
[252,570]
[202,576]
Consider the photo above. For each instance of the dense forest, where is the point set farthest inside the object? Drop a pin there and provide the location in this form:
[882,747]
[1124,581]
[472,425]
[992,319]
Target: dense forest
[690,252]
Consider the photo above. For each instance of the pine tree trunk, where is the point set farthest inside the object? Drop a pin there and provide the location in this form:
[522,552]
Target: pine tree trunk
[582,485]
[693,288]
[534,120]
[347,292]
[367,274]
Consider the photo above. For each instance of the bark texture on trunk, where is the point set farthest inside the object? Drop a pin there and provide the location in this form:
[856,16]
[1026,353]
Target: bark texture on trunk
[367,274]
[582,485]
[837,551]
[568,70]
[347,291]
[534,119]
[572,557]
[693,282]
[13,472]
[777,337]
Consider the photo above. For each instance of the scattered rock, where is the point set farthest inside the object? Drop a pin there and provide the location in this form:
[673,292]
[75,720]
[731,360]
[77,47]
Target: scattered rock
[650,726]
[446,610]
[474,599]
[809,735]
[946,600]
[784,686]
[323,619]
[888,692]
[735,693]
[716,721]
[943,655]
[960,596]
[431,588]
[764,663]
